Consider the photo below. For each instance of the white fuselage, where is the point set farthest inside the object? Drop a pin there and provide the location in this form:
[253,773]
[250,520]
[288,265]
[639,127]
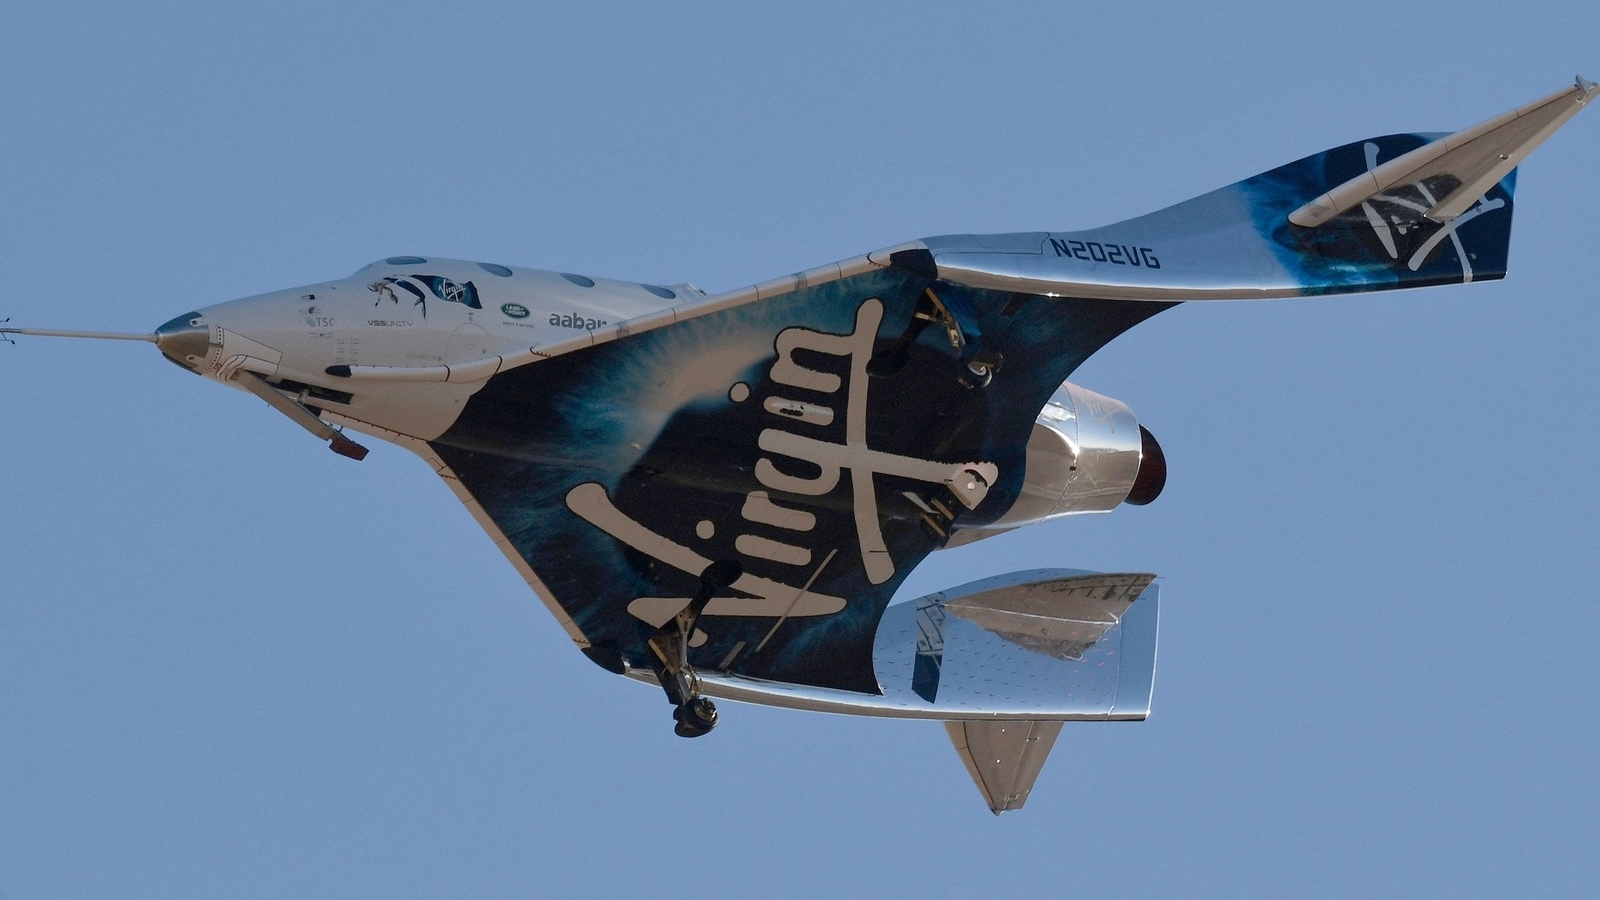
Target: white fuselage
[376,320]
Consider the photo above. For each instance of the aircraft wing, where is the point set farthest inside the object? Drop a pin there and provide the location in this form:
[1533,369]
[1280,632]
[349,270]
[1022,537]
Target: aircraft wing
[801,433]
[808,428]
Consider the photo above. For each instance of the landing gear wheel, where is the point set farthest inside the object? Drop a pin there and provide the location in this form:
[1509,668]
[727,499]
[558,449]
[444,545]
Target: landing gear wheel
[980,369]
[695,718]
[686,730]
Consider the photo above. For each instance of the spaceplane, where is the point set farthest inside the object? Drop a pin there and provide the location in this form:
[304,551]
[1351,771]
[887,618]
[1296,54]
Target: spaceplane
[717,495]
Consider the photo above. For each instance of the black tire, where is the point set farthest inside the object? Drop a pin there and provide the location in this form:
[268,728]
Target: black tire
[695,718]
[688,730]
[701,712]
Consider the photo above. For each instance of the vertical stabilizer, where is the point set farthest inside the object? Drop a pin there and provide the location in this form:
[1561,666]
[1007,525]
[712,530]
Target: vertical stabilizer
[1003,757]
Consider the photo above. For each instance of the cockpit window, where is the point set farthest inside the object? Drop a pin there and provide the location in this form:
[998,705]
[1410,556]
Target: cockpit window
[494,269]
[579,280]
[659,291]
[405,260]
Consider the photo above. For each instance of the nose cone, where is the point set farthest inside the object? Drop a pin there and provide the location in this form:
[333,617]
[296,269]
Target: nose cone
[186,340]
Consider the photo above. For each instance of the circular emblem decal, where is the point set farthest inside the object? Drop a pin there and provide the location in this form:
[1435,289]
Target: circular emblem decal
[514,310]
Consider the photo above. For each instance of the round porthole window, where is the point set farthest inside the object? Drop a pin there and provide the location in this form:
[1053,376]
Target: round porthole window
[405,260]
[493,269]
[579,280]
[659,291]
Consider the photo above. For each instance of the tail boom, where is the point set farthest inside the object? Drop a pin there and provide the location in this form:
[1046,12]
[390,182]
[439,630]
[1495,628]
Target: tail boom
[1398,211]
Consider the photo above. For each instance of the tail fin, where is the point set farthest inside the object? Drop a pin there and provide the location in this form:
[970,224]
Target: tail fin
[1429,209]
[1399,211]
[1385,239]
[1461,167]
[1003,757]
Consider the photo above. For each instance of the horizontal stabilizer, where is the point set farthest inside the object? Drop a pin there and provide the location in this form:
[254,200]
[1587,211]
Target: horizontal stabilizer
[1004,758]
[1459,168]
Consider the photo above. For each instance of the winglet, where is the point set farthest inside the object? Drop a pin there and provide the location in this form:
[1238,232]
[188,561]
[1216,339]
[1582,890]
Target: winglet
[1475,159]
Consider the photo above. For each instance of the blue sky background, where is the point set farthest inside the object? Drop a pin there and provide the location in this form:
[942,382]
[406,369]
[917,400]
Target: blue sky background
[234,664]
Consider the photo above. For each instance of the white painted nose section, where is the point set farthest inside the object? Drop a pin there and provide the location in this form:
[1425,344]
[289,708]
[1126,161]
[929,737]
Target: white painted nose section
[236,352]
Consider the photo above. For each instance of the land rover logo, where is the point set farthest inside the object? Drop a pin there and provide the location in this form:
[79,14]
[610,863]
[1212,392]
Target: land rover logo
[514,310]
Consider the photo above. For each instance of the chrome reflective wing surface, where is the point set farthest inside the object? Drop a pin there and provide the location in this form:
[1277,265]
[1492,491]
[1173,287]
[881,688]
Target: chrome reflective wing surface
[933,661]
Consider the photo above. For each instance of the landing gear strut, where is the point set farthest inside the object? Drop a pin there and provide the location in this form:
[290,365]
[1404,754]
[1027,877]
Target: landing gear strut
[669,655]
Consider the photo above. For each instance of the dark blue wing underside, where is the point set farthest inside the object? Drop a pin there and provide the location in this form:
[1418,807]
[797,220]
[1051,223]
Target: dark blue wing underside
[617,470]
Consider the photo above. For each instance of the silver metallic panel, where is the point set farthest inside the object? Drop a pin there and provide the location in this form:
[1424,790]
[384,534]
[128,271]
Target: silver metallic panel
[1003,758]
[1140,628]
[1108,451]
[1205,248]
[1059,618]
[1083,457]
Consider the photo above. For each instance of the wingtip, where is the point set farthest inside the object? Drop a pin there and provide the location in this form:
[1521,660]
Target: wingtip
[1588,87]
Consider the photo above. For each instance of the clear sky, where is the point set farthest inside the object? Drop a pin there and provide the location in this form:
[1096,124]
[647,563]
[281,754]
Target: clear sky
[233,664]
